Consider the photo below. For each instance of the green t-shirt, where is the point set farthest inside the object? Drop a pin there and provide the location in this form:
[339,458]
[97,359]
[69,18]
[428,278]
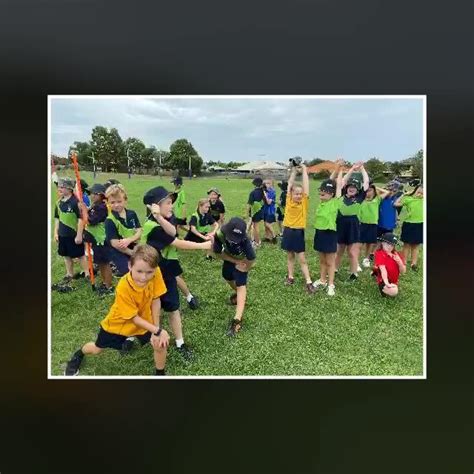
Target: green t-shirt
[414,209]
[326,214]
[369,211]
[179,203]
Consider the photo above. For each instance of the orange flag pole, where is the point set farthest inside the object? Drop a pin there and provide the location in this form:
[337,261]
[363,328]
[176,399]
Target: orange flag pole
[84,216]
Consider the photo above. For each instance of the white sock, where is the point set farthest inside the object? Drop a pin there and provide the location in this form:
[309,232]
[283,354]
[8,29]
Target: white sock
[308,282]
[179,342]
[189,297]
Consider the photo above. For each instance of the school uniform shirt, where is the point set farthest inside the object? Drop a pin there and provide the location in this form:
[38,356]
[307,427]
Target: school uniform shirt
[414,209]
[387,213]
[131,222]
[242,250]
[326,214]
[204,220]
[350,206]
[217,209]
[179,203]
[256,200]
[369,211]
[393,272]
[95,215]
[70,205]
[270,209]
[132,300]
[296,212]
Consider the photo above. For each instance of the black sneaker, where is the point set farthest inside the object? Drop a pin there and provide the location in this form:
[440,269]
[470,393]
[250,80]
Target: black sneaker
[186,352]
[353,277]
[193,304]
[104,291]
[414,268]
[371,257]
[274,240]
[79,275]
[209,258]
[234,328]
[127,346]
[63,288]
[72,367]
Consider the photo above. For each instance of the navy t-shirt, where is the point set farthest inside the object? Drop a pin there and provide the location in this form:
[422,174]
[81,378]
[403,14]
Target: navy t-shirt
[204,220]
[131,222]
[236,250]
[217,209]
[96,214]
[255,195]
[70,205]
[158,238]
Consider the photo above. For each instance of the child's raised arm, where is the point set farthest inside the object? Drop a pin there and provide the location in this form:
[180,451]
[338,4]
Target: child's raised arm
[365,178]
[291,180]
[381,192]
[336,170]
[304,173]
[339,184]
[398,202]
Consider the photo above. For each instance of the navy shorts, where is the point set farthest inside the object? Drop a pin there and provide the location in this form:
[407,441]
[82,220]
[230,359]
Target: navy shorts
[120,260]
[192,237]
[293,240]
[348,230]
[230,273]
[412,233]
[108,340]
[280,215]
[257,217]
[368,233]
[383,230]
[170,300]
[270,218]
[325,241]
[101,253]
[170,267]
[68,248]
[178,221]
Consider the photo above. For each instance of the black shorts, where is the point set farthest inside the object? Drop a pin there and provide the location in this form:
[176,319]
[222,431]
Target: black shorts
[170,300]
[68,248]
[280,215]
[348,230]
[192,237]
[170,267]
[325,241]
[108,340]
[368,233]
[230,273]
[101,253]
[293,240]
[412,233]
[258,216]
[177,221]
[120,260]
[270,218]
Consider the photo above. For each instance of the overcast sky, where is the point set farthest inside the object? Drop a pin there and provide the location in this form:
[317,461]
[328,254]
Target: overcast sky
[243,129]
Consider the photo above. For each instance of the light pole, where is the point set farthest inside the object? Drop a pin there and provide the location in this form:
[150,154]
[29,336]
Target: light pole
[190,170]
[93,162]
[128,162]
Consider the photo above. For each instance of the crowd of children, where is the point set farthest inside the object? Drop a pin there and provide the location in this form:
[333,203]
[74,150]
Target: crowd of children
[350,214]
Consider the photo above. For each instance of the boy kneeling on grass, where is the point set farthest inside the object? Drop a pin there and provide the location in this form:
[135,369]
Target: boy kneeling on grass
[135,312]
[232,245]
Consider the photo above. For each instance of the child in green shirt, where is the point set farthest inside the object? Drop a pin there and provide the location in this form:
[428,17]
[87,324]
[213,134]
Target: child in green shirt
[179,204]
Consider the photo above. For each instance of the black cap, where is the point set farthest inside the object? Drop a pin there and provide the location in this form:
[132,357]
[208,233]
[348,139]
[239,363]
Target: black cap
[215,190]
[235,230]
[257,181]
[178,180]
[156,195]
[328,186]
[97,189]
[388,238]
[283,185]
[111,181]
[66,183]
[353,182]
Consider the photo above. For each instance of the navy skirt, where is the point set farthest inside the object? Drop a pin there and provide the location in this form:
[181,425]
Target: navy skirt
[293,240]
[325,241]
[348,230]
[368,233]
[68,248]
[412,233]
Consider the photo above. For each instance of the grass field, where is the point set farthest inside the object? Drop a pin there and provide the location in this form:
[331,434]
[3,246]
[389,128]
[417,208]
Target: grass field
[286,331]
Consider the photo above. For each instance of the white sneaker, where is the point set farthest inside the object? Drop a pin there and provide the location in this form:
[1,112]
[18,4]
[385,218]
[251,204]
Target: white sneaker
[358,268]
[331,290]
[366,263]
[319,284]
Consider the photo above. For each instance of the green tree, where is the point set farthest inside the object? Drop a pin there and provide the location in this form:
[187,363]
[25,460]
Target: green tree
[395,168]
[83,150]
[417,163]
[148,157]
[162,158]
[134,149]
[375,168]
[181,151]
[315,161]
[107,146]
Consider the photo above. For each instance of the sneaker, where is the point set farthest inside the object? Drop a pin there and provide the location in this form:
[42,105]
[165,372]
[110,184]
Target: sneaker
[274,240]
[353,277]
[233,299]
[371,257]
[234,328]
[331,290]
[104,291]
[72,367]
[359,269]
[186,352]
[414,267]
[193,304]
[310,289]
[127,346]
[289,281]
[63,288]
[209,258]
[319,284]
[79,275]
[366,263]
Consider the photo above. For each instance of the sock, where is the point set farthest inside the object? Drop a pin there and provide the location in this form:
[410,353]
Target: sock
[189,297]
[160,372]
[78,353]
[179,342]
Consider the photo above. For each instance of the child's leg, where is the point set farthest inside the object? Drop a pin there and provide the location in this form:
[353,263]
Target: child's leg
[304,266]
[256,232]
[414,253]
[340,252]
[323,268]
[91,349]
[331,266]
[353,251]
[176,325]
[391,291]
[84,264]
[106,274]
[370,249]
[405,250]
[69,266]
[182,286]
[232,284]
[291,264]
[241,298]
[160,357]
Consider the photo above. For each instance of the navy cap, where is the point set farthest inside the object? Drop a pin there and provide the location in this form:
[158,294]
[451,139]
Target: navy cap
[156,195]
[388,238]
[353,182]
[178,180]
[328,186]
[257,181]
[235,230]
[97,189]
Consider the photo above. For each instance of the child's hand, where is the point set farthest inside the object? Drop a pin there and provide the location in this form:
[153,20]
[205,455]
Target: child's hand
[242,267]
[155,209]
[78,239]
[124,243]
[160,341]
[208,244]
[390,285]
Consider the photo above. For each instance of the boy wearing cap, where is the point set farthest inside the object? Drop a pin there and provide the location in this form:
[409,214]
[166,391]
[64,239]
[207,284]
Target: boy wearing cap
[233,247]
[281,205]
[255,209]
[325,236]
[388,264]
[68,230]
[179,206]
[135,313]
[161,234]
[217,208]
[95,234]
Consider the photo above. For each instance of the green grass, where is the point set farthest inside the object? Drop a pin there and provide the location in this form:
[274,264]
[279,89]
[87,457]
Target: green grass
[286,331]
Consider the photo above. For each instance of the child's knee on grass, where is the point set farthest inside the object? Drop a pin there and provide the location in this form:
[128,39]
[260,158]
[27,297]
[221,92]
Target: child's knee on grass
[91,348]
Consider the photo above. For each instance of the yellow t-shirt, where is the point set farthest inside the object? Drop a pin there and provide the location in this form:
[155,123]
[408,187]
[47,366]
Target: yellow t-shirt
[296,212]
[130,301]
